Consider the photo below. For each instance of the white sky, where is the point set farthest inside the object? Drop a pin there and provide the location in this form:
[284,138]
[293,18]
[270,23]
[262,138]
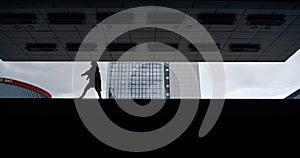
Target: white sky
[243,80]
[257,80]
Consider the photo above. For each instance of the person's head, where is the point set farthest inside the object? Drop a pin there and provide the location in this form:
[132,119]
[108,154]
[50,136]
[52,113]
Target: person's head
[94,63]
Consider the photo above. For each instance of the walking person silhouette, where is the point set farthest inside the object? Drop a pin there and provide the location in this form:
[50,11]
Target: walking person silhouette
[93,74]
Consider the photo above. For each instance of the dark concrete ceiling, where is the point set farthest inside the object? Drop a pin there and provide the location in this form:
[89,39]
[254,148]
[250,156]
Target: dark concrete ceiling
[249,31]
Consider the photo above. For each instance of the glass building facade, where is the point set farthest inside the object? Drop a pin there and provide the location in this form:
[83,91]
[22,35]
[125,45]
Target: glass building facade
[151,80]
[137,80]
[295,95]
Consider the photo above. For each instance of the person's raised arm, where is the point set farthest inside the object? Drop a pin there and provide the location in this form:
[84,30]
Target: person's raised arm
[86,73]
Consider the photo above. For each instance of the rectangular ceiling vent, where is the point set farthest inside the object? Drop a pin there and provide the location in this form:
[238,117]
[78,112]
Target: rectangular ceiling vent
[268,20]
[124,18]
[13,19]
[217,19]
[72,47]
[165,18]
[120,46]
[166,47]
[102,16]
[41,47]
[66,18]
[244,48]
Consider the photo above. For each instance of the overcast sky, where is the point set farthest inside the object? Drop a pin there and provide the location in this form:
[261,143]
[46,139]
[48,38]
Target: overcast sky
[257,80]
[243,80]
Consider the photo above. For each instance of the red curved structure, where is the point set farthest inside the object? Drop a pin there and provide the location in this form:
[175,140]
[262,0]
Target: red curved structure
[25,85]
